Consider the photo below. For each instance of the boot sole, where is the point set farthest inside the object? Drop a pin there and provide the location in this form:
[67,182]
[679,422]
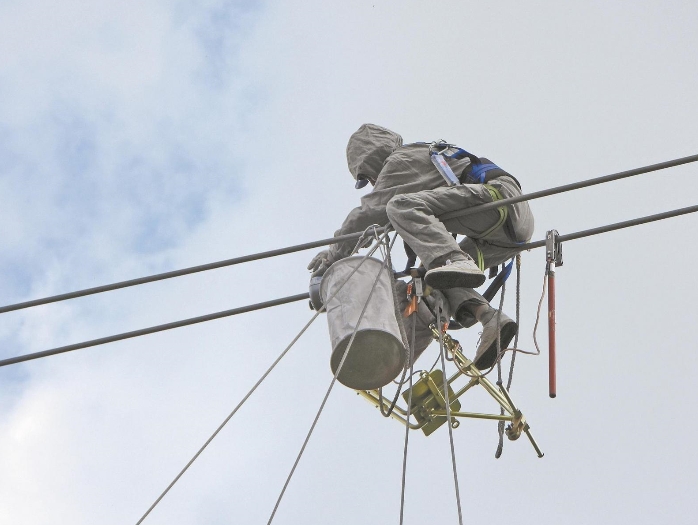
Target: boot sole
[489,356]
[444,280]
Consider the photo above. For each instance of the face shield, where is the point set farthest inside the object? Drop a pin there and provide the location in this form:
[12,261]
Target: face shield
[362,181]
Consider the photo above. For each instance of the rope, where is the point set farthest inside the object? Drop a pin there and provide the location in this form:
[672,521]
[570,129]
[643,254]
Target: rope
[244,399]
[329,390]
[540,303]
[518,317]
[225,421]
[403,336]
[407,424]
[448,414]
[500,425]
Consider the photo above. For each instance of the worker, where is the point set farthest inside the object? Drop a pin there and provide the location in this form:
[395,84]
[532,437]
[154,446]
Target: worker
[411,192]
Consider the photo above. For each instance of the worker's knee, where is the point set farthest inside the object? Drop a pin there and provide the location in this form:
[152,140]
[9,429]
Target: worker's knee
[398,205]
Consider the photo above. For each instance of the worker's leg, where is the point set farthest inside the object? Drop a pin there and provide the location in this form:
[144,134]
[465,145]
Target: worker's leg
[414,217]
[470,307]
[466,305]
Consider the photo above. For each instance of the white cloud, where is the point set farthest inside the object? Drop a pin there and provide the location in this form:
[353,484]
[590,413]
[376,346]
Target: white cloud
[136,138]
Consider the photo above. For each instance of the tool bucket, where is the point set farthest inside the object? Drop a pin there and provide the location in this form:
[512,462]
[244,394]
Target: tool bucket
[377,355]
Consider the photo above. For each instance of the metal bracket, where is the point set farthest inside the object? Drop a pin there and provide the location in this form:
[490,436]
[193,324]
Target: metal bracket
[553,248]
[428,401]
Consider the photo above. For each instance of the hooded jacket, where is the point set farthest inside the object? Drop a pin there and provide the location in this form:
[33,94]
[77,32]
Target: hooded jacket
[377,153]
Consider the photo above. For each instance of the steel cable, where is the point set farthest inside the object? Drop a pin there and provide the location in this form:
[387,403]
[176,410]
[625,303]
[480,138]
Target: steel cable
[344,238]
[568,187]
[152,329]
[177,324]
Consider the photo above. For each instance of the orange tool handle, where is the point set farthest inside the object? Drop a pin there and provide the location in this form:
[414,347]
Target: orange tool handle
[552,379]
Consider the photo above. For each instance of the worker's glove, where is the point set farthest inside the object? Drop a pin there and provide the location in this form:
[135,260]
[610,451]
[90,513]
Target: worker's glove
[320,263]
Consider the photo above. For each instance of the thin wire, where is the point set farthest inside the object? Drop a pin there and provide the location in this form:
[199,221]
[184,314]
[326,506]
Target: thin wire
[349,237]
[327,395]
[540,303]
[225,421]
[259,382]
[500,355]
[448,415]
[500,426]
[518,317]
[407,422]
[403,336]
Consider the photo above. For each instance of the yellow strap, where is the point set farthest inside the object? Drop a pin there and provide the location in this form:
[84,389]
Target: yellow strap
[503,213]
[480,258]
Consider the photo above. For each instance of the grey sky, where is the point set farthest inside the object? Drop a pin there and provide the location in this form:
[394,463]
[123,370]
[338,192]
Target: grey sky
[141,137]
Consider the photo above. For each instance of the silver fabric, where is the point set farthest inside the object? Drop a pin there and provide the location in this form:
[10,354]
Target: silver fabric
[414,217]
[368,149]
[410,193]
[407,170]
[377,354]
[463,303]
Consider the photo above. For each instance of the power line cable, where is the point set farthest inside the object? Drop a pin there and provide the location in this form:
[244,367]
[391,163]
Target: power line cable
[343,238]
[178,273]
[300,297]
[568,187]
[153,329]
[615,226]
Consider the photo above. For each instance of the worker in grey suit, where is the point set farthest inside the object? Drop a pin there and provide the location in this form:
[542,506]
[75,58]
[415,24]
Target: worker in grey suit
[411,191]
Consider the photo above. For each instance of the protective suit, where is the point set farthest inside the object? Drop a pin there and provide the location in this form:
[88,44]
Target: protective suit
[410,193]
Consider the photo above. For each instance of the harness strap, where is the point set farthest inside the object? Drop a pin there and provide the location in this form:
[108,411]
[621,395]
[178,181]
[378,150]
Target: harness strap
[480,258]
[503,211]
[503,214]
[479,172]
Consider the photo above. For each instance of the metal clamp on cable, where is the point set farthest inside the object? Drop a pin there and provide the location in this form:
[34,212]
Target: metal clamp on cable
[553,248]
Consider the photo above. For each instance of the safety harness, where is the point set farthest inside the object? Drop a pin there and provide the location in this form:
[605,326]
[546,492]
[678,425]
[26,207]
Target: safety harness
[477,174]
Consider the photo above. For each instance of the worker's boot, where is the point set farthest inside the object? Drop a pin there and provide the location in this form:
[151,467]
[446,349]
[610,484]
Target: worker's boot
[458,274]
[486,354]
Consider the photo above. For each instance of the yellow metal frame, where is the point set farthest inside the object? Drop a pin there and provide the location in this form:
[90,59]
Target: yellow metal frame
[429,410]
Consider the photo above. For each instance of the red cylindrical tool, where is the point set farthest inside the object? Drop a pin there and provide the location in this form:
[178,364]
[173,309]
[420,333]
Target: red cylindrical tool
[551,332]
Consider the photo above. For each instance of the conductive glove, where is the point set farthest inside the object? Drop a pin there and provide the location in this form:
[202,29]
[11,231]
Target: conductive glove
[320,263]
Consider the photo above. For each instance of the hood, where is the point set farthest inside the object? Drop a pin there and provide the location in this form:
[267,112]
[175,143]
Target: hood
[368,149]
